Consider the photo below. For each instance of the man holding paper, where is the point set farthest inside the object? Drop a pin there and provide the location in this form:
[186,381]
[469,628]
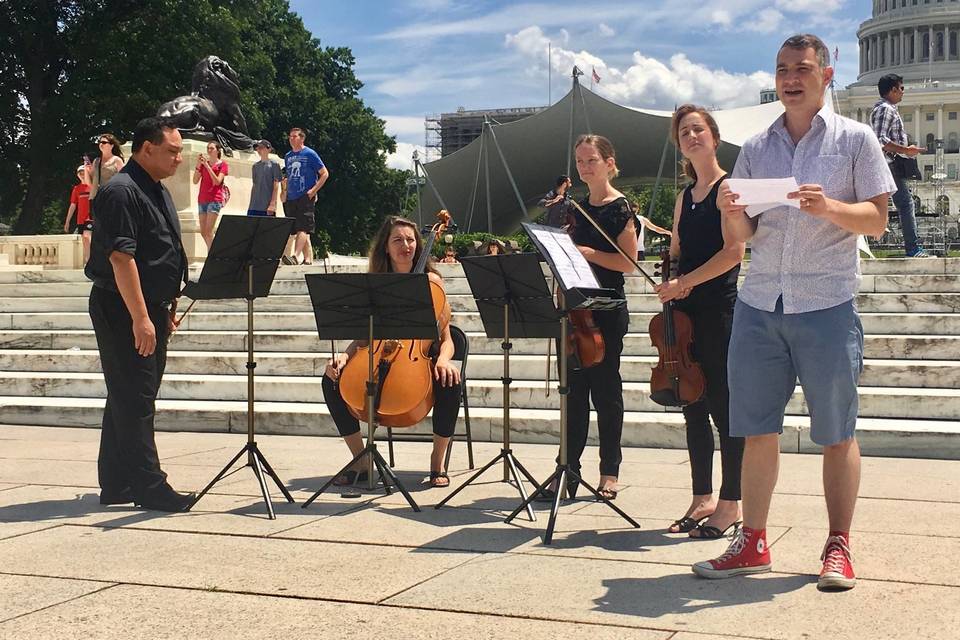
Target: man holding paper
[795,315]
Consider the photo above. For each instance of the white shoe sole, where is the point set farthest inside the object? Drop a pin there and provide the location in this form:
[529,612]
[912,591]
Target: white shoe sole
[835,582]
[704,570]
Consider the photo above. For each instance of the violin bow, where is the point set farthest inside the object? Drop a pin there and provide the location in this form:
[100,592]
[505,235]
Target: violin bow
[633,260]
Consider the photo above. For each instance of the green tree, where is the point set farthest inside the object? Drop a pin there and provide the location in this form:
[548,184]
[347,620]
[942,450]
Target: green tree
[71,69]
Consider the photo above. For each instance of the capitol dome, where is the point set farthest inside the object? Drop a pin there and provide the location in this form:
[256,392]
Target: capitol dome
[917,39]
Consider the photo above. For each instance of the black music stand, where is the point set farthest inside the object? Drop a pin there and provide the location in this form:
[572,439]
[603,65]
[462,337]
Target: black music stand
[578,290]
[242,263]
[514,302]
[370,307]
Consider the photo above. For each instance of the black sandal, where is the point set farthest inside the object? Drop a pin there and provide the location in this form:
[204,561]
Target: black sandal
[710,532]
[608,493]
[439,479]
[686,524]
[350,477]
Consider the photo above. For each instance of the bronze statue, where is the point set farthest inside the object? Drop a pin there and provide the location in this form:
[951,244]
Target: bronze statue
[212,107]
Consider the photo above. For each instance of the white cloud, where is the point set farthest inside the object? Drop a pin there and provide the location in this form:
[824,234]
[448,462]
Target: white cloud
[649,82]
[404,127]
[513,15]
[766,21]
[402,158]
[606,30]
[721,17]
[802,6]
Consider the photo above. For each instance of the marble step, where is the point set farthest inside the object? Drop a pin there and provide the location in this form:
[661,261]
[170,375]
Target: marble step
[892,323]
[875,402]
[922,347]
[883,266]
[935,374]
[457,284]
[641,303]
[877,436]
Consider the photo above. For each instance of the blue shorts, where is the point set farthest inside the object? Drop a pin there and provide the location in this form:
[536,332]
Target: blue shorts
[769,351]
[210,207]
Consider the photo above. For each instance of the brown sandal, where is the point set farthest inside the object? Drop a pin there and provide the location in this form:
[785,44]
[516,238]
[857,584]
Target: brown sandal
[439,479]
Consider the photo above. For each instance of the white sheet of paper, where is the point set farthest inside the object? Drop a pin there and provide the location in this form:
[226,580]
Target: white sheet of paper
[572,268]
[763,193]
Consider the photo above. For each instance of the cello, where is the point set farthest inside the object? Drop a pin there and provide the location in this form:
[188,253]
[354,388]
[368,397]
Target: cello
[403,369]
[677,379]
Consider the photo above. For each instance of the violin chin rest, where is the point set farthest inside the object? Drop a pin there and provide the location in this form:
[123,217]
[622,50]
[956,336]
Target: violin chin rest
[667,398]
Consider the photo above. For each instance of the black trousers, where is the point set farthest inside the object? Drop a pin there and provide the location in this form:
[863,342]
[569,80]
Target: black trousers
[711,331]
[446,408]
[601,384]
[128,452]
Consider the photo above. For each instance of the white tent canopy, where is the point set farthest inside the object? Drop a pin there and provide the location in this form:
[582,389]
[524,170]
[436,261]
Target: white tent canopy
[494,183]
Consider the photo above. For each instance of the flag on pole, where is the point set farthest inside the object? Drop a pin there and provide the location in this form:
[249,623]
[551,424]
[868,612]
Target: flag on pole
[595,77]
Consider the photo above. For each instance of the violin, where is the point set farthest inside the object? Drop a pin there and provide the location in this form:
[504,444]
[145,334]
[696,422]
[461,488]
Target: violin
[677,379]
[403,369]
[584,338]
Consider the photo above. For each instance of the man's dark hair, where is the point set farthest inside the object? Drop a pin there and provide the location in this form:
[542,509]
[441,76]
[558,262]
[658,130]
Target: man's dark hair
[150,130]
[809,41]
[298,130]
[561,180]
[887,83]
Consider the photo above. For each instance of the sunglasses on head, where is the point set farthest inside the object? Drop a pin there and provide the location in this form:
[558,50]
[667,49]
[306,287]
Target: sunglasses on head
[104,142]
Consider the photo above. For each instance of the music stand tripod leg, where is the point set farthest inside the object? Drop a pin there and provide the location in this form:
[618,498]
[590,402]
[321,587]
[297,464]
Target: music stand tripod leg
[326,485]
[510,463]
[220,475]
[262,481]
[273,474]
[387,473]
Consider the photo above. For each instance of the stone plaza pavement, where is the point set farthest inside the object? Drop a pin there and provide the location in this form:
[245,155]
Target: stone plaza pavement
[366,567]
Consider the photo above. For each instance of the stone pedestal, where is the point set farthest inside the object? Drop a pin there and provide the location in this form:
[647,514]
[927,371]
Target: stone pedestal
[184,192]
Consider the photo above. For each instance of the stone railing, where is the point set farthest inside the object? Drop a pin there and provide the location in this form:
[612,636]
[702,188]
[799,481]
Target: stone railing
[47,252]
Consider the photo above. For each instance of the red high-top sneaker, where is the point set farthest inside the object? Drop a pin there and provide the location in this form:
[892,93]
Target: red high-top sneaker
[747,553]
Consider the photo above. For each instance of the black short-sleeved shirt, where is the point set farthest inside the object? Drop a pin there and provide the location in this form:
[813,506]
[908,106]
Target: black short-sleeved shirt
[612,218]
[700,238]
[135,215]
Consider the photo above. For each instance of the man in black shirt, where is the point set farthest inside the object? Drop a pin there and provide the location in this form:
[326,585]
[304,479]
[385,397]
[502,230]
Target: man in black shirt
[557,203]
[137,265]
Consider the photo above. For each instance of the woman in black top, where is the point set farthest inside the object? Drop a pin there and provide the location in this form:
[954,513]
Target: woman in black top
[706,289]
[597,165]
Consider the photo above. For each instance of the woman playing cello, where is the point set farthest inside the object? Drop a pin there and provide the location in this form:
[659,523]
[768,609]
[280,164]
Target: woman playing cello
[395,249]
[706,290]
[597,165]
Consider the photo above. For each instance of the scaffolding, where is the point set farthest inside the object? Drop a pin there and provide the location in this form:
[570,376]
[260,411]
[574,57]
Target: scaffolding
[446,133]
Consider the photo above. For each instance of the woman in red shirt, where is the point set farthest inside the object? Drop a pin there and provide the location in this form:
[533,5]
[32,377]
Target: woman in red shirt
[210,172]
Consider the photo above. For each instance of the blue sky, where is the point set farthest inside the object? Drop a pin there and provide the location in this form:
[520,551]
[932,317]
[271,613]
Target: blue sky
[418,57]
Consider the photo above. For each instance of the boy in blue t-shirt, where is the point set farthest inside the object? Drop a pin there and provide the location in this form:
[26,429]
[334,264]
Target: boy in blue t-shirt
[305,175]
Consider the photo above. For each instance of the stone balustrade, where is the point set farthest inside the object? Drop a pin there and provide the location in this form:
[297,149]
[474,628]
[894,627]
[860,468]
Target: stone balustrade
[62,251]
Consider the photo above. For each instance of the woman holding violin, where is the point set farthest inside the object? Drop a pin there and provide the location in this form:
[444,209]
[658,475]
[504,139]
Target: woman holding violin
[706,290]
[597,165]
[396,248]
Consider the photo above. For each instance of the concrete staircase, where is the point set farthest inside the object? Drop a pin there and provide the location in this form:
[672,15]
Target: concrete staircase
[49,368]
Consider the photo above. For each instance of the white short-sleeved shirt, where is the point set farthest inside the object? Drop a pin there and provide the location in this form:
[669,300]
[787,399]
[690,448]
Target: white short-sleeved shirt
[811,263]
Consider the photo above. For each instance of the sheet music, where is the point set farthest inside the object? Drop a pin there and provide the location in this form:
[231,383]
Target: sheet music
[572,268]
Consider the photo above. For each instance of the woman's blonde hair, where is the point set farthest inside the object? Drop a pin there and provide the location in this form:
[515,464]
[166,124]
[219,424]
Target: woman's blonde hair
[604,148]
[378,260]
[682,112]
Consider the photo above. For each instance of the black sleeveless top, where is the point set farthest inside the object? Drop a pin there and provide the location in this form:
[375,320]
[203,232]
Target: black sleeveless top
[700,239]
[612,218]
